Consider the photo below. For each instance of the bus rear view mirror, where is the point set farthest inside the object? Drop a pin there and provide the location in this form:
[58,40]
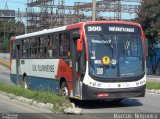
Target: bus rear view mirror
[79,45]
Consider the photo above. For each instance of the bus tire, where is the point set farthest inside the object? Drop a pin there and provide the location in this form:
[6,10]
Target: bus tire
[25,82]
[64,89]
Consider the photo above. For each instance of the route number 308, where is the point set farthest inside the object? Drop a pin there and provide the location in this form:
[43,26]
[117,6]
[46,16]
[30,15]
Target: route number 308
[94,28]
[99,70]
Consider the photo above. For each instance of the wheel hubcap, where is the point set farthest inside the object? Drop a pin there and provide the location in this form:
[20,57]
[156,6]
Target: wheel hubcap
[25,85]
[65,91]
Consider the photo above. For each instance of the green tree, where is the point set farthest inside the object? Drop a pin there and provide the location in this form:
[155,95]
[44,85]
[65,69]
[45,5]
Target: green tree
[149,18]
[7,30]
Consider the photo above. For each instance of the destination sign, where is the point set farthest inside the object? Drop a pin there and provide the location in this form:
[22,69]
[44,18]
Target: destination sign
[112,29]
[121,29]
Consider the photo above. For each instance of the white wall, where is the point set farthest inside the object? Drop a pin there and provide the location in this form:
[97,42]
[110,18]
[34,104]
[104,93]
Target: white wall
[5,55]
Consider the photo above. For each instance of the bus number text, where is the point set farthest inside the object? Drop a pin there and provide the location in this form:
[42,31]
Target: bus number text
[94,28]
[99,70]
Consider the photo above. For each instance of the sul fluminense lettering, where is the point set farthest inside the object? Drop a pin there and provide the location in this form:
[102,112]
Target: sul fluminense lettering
[45,68]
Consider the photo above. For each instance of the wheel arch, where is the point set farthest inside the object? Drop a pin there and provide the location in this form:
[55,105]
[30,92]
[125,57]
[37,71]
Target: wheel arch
[62,79]
[24,74]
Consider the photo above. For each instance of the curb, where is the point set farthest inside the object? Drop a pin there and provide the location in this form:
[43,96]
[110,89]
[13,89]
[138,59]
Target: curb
[48,106]
[70,110]
[153,91]
[32,102]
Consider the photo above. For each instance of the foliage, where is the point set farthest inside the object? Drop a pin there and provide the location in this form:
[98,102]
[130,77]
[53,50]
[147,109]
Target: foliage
[153,85]
[9,29]
[149,18]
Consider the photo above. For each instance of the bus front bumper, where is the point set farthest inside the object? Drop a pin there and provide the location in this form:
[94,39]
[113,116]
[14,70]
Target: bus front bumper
[90,93]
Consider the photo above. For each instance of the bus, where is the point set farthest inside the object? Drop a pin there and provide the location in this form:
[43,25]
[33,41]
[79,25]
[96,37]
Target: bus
[94,60]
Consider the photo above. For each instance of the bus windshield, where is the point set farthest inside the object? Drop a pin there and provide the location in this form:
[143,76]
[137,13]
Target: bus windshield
[115,56]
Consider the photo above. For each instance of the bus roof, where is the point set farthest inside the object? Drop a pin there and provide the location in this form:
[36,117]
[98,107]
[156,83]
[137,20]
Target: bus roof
[45,31]
[71,26]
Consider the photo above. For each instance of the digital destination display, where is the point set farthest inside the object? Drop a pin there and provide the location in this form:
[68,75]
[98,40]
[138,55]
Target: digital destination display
[121,29]
[112,29]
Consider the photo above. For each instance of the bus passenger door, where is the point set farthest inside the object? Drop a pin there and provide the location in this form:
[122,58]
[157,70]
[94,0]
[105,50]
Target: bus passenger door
[75,64]
[18,81]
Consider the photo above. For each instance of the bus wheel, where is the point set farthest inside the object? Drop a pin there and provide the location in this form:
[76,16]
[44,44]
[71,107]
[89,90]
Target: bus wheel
[25,82]
[64,89]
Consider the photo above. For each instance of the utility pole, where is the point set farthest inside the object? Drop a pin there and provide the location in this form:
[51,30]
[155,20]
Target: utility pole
[4,30]
[6,6]
[93,10]
[4,35]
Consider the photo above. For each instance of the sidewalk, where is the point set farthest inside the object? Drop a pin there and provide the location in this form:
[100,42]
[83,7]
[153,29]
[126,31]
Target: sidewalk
[5,63]
[153,78]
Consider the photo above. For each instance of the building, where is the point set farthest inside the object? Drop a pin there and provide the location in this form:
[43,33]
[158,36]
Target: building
[7,15]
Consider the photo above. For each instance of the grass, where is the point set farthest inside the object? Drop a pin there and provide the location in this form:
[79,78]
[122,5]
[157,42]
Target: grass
[39,96]
[153,85]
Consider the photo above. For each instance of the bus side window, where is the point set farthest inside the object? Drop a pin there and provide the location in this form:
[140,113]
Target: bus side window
[45,53]
[55,45]
[33,48]
[38,46]
[27,47]
[49,46]
[64,43]
[42,41]
[24,48]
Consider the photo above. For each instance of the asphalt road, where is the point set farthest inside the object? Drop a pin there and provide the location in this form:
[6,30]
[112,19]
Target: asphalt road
[91,110]
[12,106]
[18,110]
[149,103]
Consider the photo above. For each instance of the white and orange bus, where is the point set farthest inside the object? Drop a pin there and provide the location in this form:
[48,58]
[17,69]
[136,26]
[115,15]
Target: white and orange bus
[94,60]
